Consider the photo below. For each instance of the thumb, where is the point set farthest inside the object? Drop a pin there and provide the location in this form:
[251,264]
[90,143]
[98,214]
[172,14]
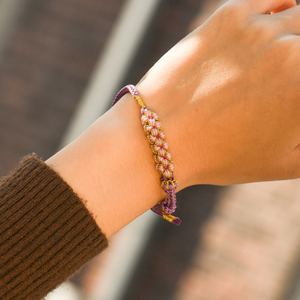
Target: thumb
[268,6]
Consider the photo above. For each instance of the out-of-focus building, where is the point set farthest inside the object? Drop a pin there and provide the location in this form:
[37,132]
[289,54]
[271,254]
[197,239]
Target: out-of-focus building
[46,63]
[239,242]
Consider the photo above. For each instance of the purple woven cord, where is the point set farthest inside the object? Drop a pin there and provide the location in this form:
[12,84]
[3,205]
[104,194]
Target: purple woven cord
[169,204]
[177,221]
[120,94]
[157,210]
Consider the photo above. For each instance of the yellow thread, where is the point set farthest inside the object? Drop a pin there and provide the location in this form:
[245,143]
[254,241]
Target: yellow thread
[169,218]
[168,182]
[140,101]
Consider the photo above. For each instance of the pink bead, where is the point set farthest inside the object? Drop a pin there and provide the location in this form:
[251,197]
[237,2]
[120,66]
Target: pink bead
[158,124]
[158,159]
[165,145]
[167,174]
[147,112]
[171,167]
[168,156]
[155,132]
[155,116]
[152,123]
[161,152]
[159,142]
[152,139]
[162,135]
[144,120]
[160,168]
[156,148]
[147,128]
[165,163]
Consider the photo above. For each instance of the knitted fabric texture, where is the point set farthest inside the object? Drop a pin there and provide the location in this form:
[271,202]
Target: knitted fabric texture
[46,232]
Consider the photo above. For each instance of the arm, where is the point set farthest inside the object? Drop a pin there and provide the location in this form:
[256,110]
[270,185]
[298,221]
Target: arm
[228,98]
[112,166]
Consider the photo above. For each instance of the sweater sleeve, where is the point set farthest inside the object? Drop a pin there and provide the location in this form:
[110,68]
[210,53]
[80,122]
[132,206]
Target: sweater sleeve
[46,232]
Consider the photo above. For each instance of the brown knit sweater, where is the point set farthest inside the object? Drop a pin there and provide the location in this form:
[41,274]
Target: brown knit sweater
[46,232]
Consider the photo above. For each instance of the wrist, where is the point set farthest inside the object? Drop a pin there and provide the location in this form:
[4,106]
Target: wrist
[177,118]
[111,166]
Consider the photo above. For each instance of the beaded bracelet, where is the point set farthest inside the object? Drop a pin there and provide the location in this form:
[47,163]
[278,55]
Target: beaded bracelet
[162,156]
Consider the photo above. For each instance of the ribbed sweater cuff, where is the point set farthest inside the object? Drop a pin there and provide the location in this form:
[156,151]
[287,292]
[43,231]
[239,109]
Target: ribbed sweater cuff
[46,232]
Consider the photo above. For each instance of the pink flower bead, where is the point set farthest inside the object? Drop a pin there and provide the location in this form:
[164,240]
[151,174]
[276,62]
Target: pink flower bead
[152,139]
[155,132]
[161,152]
[144,120]
[160,168]
[152,122]
[155,148]
[157,125]
[150,114]
[147,128]
[167,174]
[162,135]
[160,144]
[168,156]
[154,116]
[158,159]
[164,155]
[165,163]
[147,112]
[166,171]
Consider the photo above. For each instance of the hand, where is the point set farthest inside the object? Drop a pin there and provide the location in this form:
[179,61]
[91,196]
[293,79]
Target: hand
[228,99]
[228,95]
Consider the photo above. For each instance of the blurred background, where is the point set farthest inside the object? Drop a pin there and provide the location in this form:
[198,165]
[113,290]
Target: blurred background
[61,63]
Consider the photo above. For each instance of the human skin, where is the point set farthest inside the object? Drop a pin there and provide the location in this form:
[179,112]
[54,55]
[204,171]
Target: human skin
[228,98]
[231,91]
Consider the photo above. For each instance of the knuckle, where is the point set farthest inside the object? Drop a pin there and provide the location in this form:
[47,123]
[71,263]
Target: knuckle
[286,52]
[233,12]
[229,21]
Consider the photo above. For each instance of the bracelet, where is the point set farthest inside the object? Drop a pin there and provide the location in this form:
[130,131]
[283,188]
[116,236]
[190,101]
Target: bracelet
[162,156]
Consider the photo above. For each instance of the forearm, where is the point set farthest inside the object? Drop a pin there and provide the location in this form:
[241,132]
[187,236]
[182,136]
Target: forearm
[111,166]
[229,107]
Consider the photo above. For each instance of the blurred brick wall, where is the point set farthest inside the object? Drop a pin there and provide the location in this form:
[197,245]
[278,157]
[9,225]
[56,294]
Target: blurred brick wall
[46,66]
[250,247]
